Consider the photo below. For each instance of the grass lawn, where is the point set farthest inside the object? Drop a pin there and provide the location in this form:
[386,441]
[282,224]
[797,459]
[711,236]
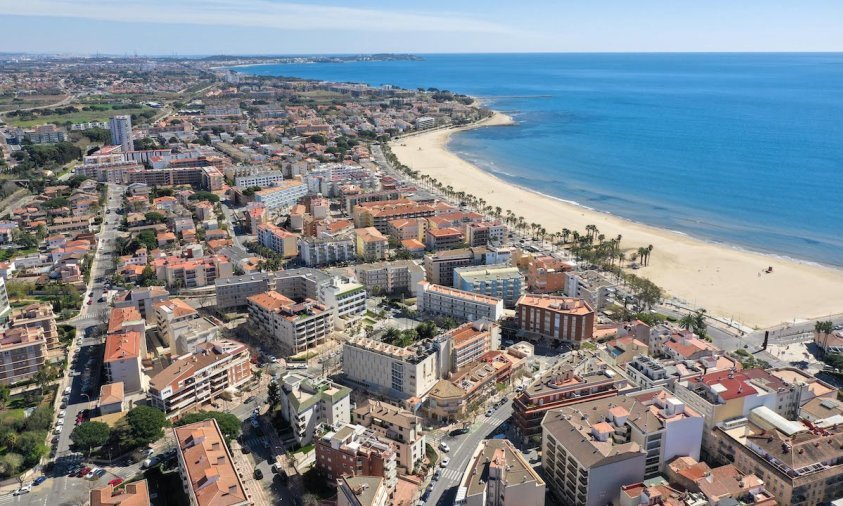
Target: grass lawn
[12,103]
[75,117]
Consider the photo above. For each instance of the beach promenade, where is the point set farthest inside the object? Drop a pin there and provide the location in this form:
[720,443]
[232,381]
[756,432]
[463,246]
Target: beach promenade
[726,281]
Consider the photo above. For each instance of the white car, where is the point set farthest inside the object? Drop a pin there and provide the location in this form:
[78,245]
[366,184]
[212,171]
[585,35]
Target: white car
[23,490]
[62,413]
[444,447]
[445,462]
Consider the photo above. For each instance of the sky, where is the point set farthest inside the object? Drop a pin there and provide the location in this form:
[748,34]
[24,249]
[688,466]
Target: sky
[203,27]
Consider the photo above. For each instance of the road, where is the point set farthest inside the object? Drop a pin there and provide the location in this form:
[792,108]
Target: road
[444,489]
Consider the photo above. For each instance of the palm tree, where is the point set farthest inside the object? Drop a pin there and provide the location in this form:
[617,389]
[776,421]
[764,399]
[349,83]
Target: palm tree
[565,235]
[649,250]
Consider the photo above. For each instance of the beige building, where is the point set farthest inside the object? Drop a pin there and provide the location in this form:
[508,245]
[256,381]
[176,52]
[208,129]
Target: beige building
[370,244]
[308,403]
[555,318]
[122,360]
[362,491]
[23,351]
[400,373]
[196,379]
[438,300]
[497,475]
[135,493]
[38,315]
[396,424]
[399,276]
[584,464]
[209,476]
[296,326]
[278,240]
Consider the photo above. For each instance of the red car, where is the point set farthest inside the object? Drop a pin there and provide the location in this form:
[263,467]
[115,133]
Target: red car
[82,472]
[115,482]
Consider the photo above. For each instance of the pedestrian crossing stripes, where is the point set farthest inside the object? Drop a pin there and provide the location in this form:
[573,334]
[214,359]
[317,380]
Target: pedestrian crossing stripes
[452,474]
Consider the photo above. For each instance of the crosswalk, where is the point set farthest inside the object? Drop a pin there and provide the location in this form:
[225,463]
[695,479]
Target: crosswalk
[497,418]
[451,474]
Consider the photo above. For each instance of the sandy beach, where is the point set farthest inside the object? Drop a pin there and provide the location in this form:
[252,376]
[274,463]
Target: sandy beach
[726,281]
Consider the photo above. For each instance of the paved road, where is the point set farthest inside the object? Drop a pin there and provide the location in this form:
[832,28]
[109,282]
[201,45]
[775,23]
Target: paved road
[462,447]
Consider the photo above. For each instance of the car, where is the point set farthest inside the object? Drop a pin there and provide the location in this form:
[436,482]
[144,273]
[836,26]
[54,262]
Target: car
[23,490]
[63,405]
[258,474]
[62,413]
[245,449]
[459,432]
[115,481]
[83,471]
[39,480]
[91,301]
[519,388]
[67,391]
[437,474]
[444,447]
[149,463]
[99,472]
[445,462]
[58,429]
[490,412]
[92,474]
[148,452]
[249,399]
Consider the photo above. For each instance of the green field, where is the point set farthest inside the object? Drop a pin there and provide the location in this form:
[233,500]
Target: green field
[11,103]
[76,117]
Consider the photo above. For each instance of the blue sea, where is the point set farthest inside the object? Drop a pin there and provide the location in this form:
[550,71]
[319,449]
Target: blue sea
[744,149]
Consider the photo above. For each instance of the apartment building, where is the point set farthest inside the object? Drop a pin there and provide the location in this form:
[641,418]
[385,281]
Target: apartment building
[319,251]
[408,228]
[23,351]
[192,272]
[143,299]
[345,298]
[727,397]
[209,475]
[307,403]
[38,316]
[569,381]
[278,240]
[546,274]
[135,493]
[354,450]
[584,464]
[649,372]
[300,284]
[485,232]
[122,360]
[234,291]
[399,276]
[443,238]
[353,199]
[378,214]
[400,373]
[362,491]
[591,286]
[459,304]
[182,327]
[498,475]
[5,307]
[262,179]
[800,462]
[468,342]
[402,428]
[501,281]
[440,266]
[296,326]
[560,319]
[284,194]
[719,484]
[370,244]
[198,378]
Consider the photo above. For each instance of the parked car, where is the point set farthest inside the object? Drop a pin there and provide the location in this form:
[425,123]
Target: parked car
[258,474]
[437,474]
[445,462]
[39,480]
[444,447]
[490,412]
[115,482]
[459,432]
[83,471]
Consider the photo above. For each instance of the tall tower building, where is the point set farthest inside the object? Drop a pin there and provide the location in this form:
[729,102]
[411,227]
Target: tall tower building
[121,132]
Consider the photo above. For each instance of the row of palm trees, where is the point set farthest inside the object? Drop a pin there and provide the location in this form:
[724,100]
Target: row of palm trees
[591,246]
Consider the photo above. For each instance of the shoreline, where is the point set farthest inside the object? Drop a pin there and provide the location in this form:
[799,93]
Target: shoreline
[725,279]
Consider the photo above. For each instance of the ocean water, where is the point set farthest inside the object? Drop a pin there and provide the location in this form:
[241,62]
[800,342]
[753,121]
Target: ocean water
[744,149]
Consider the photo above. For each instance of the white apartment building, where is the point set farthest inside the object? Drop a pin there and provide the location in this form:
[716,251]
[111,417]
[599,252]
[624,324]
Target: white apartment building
[459,304]
[501,281]
[308,403]
[497,475]
[346,298]
[400,373]
[296,326]
[234,291]
[121,132]
[263,179]
[399,276]
[327,250]
[283,195]
[199,377]
[398,425]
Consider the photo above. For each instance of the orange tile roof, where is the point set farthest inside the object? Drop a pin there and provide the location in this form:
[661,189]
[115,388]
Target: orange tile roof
[111,393]
[122,315]
[271,300]
[208,465]
[131,494]
[122,346]
[370,234]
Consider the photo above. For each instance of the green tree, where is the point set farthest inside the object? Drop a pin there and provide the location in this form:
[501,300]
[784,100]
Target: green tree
[31,446]
[229,424]
[273,393]
[90,435]
[146,424]
[41,419]
[10,464]
[426,330]
[835,360]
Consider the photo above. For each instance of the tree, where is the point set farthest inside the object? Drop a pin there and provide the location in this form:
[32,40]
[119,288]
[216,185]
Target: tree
[4,396]
[228,423]
[835,360]
[31,447]
[426,330]
[10,464]
[40,419]
[146,424]
[90,435]
[273,393]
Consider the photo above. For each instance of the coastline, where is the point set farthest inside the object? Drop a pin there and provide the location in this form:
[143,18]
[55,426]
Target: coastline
[727,281]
